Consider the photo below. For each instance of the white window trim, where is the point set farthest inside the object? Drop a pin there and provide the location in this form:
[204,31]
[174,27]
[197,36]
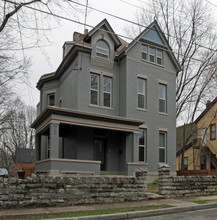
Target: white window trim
[165,100]
[165,148]
[140,75]
[95,89]
[103,49]
[144,146]
[143,94]
[155,55]
[91,70]
[159,57]
[105,92]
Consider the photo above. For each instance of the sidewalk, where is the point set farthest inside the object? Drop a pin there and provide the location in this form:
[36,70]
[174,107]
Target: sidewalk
[179,205]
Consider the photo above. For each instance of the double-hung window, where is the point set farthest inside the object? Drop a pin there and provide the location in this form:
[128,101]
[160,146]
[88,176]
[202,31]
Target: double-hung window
[107,89]
[144,52]
[94,89]
[159,56]
[162,95]
[212,131]
[141,93]
[152,54]
[162,146]
[102,49]
[142,145]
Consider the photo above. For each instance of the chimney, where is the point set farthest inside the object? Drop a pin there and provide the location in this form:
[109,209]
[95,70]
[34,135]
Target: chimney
[208,103]
[85,32]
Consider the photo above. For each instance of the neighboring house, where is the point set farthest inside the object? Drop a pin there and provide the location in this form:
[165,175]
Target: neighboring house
[25,161]
[200,149]
[110,106]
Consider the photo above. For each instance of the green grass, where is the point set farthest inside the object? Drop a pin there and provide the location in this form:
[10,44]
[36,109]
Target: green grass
[84,213]
[201,201]
[153,187]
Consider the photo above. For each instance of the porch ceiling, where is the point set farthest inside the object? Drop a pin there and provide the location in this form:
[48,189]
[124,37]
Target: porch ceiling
[67,116]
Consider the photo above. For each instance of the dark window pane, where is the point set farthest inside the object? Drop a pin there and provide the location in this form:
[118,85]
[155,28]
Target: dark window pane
[141,86]
[162,91]
[144,56]
[107,99]
[162,155]
[141,154]
[107,84]
[159,61]
[51,100]
[212,131]
[102,55]
[94,97]
[94,82]
[141,102]
[141,137]
[162,107]
[162,139]
[102,44]
[151,58]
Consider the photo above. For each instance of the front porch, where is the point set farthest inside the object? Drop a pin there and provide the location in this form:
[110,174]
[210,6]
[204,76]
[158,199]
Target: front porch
[74,143]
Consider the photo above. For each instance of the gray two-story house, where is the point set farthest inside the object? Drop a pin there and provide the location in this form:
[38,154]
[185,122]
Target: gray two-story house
[110,106]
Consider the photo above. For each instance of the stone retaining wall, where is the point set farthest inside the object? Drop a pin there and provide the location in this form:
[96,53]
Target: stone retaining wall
[179,186]
[42,190]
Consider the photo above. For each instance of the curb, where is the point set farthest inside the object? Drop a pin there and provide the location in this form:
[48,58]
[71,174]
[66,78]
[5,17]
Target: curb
[139,214]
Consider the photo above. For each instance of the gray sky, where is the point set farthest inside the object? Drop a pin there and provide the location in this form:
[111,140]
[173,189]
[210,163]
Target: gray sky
[48,59]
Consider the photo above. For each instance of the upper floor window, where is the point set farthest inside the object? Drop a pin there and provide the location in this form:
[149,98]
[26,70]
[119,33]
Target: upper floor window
[107,89]
[51,99]
[212,131]
[162,95]
[94,89]
[152,54]
[102,49]
[141,93]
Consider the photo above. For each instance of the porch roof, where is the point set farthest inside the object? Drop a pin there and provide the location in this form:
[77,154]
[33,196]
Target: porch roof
[52,114]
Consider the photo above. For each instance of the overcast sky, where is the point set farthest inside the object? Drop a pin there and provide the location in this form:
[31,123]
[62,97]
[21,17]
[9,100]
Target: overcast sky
[49,59]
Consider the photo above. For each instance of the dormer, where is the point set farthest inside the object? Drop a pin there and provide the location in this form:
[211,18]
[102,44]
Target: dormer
[104,43]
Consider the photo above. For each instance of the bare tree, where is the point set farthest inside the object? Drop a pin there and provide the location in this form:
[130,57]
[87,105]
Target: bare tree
[16,131]
[189,28]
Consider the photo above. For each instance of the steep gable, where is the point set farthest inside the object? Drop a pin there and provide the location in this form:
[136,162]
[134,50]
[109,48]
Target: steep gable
[153,35]
[104,25]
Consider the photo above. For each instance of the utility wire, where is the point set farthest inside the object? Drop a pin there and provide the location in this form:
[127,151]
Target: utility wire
[136,23]
[126,37]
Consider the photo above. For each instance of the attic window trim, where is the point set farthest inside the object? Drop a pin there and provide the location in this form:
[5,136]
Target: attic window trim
[147,55]
[103,52]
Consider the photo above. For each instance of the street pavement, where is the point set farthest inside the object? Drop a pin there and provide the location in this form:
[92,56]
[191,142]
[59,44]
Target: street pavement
[180,205]
[207,214]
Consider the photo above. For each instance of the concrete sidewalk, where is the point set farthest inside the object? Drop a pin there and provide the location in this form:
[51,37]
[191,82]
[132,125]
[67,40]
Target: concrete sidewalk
[179,205]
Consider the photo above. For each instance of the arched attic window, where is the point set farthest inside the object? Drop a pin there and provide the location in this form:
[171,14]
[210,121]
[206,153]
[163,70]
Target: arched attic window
[102,49]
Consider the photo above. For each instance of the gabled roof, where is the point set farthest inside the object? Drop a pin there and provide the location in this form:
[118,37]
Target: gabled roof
[206,110]
[104,24]
[154,35]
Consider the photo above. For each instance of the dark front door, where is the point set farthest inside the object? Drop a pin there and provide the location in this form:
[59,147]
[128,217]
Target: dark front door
[99,152]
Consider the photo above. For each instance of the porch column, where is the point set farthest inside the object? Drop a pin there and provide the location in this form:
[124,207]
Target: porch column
[135,143]
[54,140]
[132,147]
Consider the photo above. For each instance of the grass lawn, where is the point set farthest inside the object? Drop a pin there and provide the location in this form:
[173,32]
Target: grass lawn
[84,213]
[153,187]
[201,201]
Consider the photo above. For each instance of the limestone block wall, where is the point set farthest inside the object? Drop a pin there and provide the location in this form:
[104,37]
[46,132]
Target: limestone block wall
[42,190]
[180,186]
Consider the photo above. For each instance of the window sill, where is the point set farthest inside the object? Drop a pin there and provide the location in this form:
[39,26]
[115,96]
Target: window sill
[102,107]
[152,63]
[142,109]
[162,113]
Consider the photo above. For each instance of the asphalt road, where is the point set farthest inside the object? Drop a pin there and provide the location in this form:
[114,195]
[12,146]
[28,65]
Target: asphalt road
[207,214]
